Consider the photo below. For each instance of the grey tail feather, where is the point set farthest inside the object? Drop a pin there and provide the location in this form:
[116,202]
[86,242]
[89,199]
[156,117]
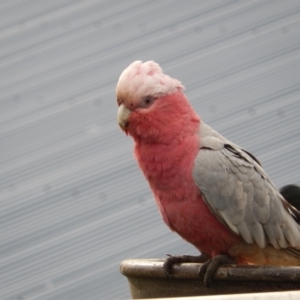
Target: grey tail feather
[294,212]
[294,252]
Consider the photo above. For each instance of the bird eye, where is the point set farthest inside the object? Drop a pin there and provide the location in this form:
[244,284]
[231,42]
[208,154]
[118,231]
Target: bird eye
[147,101]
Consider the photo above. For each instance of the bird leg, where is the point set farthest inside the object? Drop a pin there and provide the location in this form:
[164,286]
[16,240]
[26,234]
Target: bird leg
[209,268]
[171,260]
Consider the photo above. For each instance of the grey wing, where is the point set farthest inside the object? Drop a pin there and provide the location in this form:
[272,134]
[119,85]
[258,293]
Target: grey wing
[241,195]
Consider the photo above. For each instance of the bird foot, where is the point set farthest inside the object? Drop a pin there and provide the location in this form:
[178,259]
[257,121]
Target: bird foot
[171,260]
[209,268]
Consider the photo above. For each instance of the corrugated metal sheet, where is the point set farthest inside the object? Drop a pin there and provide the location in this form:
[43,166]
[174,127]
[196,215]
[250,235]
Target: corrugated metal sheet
[73,202]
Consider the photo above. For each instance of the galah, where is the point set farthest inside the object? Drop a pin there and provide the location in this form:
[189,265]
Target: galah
[210,191]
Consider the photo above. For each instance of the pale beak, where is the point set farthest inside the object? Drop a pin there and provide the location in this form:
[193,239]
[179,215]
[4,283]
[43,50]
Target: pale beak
[123,115]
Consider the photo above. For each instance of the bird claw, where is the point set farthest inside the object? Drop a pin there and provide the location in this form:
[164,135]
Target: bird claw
[209,268]
[171,260]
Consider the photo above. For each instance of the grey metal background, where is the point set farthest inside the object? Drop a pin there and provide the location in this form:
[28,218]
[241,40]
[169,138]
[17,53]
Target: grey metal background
[73,202]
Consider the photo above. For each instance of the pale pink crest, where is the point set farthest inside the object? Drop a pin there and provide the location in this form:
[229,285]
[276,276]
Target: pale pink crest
[143,79]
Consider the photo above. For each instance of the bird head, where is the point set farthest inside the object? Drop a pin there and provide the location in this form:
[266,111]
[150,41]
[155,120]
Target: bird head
[149,101]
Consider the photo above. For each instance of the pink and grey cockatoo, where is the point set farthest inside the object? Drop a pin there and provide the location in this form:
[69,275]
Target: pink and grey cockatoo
[210,191]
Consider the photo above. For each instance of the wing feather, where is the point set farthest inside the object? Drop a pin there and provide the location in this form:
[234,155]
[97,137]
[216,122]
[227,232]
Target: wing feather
[240,194]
